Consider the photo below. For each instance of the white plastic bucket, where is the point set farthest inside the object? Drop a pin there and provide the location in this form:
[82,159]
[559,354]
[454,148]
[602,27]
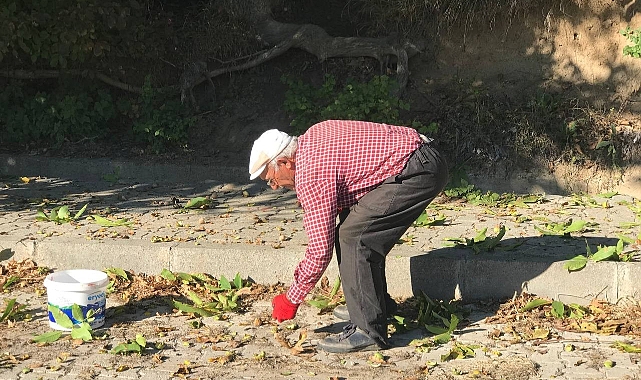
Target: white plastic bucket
[83,287]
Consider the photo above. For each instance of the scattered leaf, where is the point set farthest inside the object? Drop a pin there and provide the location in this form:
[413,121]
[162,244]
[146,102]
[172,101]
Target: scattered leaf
[48,337]
[625,347]
[534,304]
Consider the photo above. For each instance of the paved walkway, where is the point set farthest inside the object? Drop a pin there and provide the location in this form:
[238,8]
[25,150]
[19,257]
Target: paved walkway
[258,233]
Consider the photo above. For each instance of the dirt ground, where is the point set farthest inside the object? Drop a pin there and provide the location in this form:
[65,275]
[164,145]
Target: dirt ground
[571,50]
[247,343]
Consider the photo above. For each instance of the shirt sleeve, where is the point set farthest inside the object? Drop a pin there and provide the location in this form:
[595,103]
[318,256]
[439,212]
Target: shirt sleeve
[319,204]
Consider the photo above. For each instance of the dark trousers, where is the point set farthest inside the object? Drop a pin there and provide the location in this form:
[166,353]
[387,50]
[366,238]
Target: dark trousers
[369,230]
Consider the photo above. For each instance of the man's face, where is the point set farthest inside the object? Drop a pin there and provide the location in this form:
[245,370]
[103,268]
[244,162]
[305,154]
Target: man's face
[282,176]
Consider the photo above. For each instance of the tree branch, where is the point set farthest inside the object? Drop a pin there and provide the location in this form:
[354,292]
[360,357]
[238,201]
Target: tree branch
[316,41]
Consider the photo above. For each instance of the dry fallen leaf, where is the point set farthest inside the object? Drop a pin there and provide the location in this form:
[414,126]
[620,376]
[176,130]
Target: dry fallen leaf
[298,347]
[157,359]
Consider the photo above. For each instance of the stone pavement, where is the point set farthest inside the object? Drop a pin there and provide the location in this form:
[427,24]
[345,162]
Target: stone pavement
[257,232]
[214,352]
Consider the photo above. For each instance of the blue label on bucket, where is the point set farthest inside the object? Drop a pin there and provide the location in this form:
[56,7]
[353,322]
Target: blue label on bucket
[98,308]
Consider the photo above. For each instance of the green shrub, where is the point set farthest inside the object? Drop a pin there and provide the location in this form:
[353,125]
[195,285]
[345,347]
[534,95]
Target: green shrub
[67,33]
[160,120]
[50,119]
[371,101]
[633,36]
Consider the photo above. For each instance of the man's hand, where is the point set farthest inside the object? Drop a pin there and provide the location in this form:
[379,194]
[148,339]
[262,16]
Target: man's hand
[283,309]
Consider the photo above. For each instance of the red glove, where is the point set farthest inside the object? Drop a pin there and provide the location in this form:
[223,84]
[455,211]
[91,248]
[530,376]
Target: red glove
[283,309]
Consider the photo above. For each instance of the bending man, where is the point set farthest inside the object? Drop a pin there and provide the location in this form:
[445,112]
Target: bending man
[377,179]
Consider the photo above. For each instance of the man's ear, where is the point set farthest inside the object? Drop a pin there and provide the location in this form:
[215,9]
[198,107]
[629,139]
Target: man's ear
[288,162]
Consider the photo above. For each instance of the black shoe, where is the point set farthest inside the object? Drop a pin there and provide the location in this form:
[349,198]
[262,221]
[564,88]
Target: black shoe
[352,339]
[342,313]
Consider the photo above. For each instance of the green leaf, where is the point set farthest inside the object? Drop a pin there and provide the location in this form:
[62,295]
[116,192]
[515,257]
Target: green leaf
[453,322]
[625,347]
[41,216]
[224,283]
[424,220]
[197,202]
[320,303]
[53,214]
[119,349]
[442,338]
[201,277]
[575,226]
[560,229]
[82,211]
[619,246]
[7,311]
[608,195]
[492,242]
[576,263]
[605,253]
[140,339]
[82,332]
[238,282]
[336,287]
[191,309]
[400,320]
[480,236]
[60,318]
[48,337]
[194,298]
[77,313]
[534,304]
[436,330]
[118,272]
[10,281]
[628,225]
[576,311]
[558,309]
[167,275]
[185,277]
[445,321]
[125,348]
[63,213]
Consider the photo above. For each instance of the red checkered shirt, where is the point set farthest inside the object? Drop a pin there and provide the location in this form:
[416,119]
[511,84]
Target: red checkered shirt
[337,162]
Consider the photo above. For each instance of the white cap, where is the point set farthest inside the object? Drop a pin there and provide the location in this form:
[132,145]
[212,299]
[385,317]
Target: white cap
[267,147]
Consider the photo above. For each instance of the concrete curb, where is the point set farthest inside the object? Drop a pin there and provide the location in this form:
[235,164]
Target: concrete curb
[443,273]
[460,274]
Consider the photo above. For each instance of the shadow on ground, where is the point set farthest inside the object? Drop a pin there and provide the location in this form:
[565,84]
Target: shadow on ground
[530,264]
